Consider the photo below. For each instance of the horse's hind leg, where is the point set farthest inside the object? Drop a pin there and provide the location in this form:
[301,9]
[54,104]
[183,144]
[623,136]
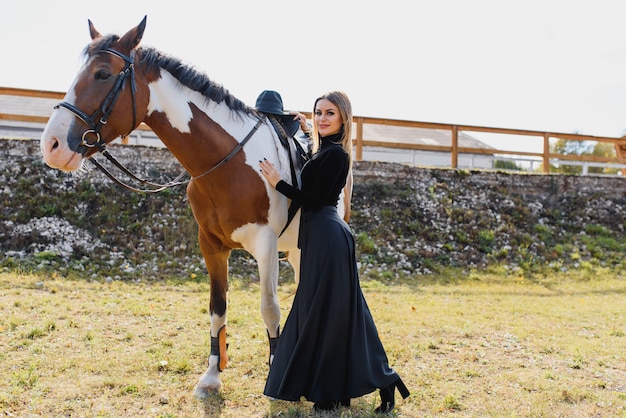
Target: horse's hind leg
[264,248]
[268,273]
[217,266]
[294,259]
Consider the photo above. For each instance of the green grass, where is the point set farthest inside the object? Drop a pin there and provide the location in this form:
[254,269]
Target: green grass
[488,345]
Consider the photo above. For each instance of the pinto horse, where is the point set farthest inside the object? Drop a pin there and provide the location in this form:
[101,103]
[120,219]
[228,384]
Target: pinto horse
[219,141]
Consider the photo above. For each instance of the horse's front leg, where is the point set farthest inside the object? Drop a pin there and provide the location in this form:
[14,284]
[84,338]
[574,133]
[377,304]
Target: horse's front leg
[217,266]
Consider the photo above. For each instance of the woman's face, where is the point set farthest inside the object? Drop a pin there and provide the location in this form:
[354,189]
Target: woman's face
[327,118]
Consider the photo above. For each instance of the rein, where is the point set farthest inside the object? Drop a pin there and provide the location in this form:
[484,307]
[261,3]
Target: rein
[101,116]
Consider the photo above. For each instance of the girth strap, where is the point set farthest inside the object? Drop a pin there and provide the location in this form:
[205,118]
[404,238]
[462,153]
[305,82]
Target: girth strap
[295,152]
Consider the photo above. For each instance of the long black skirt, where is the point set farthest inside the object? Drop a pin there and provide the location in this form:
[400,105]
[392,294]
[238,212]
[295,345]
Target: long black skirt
[329,349]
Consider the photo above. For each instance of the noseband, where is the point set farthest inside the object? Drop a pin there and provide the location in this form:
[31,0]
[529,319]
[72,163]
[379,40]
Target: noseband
[100,117]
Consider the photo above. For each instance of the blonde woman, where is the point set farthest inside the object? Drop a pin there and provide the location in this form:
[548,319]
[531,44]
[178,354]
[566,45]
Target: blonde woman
[329,350]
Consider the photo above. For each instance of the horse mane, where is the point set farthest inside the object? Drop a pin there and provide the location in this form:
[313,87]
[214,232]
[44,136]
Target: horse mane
[186,74]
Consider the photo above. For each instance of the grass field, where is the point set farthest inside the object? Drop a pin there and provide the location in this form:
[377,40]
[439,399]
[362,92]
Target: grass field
[479,345]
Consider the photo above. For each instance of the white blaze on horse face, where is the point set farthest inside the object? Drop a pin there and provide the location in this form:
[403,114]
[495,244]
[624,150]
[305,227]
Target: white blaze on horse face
[54,139]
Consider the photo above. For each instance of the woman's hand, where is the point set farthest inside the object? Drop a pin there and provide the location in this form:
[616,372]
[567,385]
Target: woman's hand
[304,126]
[269,172]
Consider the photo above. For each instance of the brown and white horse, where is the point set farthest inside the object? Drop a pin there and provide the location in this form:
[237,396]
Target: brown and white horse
[217,138]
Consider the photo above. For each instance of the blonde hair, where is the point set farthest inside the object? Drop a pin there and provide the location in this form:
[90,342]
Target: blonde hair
[341,100]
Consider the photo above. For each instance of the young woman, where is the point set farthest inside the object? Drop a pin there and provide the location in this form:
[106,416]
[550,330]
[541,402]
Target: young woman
[329,350]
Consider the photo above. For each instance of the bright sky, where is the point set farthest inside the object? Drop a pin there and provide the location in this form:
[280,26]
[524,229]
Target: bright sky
[553,65]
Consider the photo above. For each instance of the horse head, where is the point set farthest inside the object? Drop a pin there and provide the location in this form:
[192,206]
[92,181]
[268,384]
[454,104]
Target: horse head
[103,102]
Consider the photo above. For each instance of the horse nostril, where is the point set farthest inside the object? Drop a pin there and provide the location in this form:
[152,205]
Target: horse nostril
[55,145]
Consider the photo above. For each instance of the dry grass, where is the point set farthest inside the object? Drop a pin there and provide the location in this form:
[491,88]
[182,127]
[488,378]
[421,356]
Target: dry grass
[481,346]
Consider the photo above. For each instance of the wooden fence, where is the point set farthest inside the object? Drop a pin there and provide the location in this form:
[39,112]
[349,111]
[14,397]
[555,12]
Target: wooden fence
[546,157]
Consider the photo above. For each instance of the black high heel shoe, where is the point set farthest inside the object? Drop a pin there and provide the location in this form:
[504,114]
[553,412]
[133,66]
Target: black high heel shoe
[330,405]
[388,395]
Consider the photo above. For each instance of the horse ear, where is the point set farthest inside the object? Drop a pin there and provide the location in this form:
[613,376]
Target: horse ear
[93,31]
[133,36]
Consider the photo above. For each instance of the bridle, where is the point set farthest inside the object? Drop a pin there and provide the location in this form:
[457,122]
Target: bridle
[100,118]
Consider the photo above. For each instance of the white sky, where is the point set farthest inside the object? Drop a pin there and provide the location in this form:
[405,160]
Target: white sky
[553,65]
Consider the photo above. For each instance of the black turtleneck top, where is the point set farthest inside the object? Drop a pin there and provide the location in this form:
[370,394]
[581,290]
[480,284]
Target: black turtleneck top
[323,176]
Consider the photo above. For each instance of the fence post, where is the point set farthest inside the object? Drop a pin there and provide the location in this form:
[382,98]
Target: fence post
[359,139]
[546,153]
[620,150]
[455,147]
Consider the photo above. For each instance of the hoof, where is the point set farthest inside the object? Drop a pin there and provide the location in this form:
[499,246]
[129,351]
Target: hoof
[203,392]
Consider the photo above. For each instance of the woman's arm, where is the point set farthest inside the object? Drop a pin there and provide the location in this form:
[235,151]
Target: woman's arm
[325,177]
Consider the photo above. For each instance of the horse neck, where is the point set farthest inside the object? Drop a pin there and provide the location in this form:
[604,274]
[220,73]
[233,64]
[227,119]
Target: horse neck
[198,131]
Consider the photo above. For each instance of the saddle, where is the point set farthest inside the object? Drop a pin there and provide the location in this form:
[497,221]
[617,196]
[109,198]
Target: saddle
[298,156]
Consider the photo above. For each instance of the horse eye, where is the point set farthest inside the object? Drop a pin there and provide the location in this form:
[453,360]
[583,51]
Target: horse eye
[102,75]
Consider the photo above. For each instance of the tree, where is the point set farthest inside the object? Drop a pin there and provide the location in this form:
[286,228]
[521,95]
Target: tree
[599,149]
[565,147]
[604,149]
[507,165]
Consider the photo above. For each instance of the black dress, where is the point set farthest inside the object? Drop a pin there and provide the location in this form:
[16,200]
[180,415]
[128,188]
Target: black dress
[329,349]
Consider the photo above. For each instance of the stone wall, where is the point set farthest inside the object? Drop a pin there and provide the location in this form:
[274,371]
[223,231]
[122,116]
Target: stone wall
[407,220]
